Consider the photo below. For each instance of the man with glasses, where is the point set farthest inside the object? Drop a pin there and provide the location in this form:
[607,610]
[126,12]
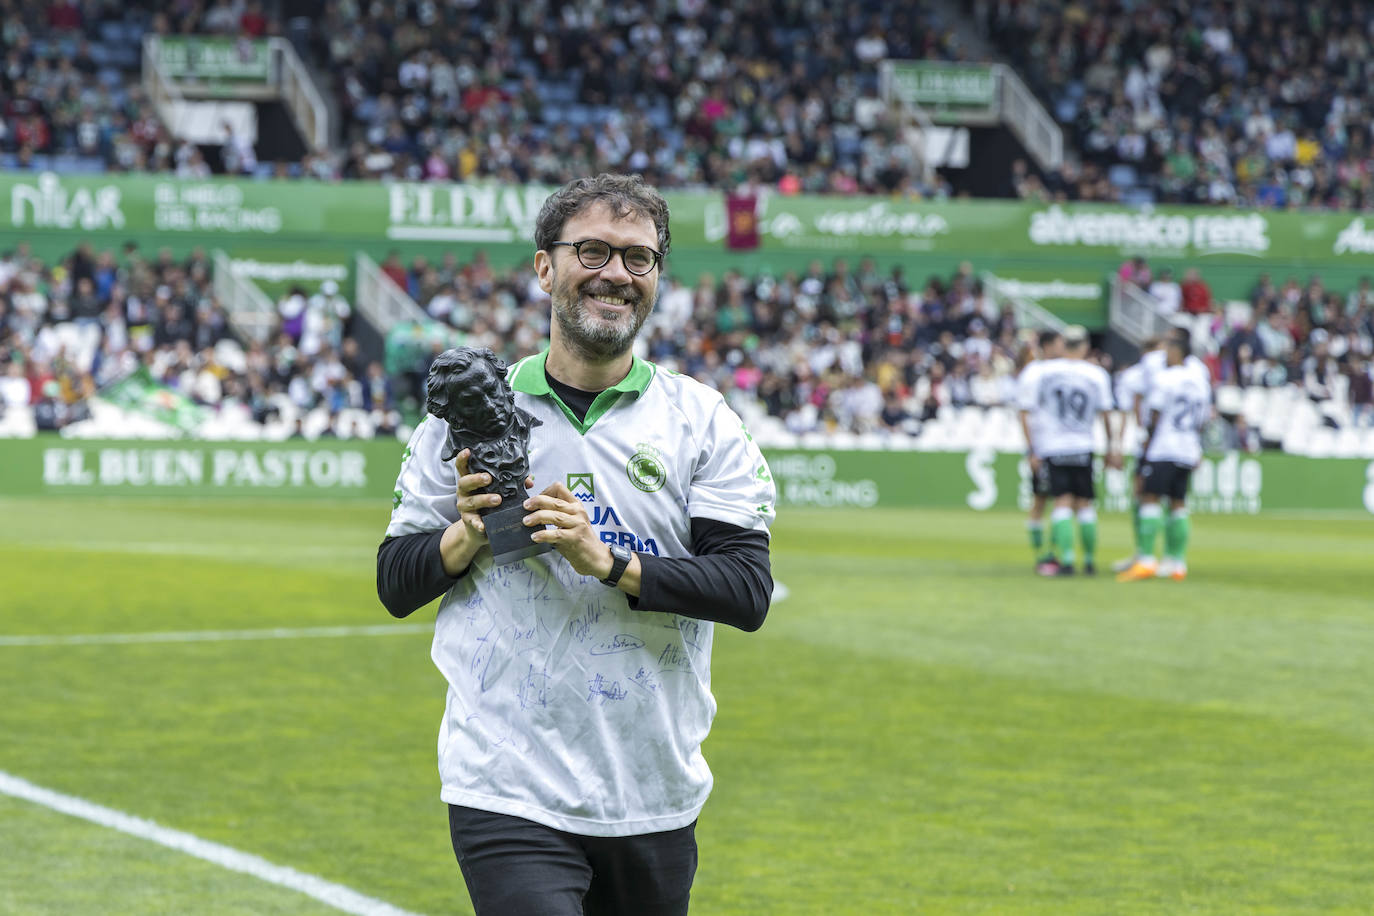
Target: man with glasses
[579,679]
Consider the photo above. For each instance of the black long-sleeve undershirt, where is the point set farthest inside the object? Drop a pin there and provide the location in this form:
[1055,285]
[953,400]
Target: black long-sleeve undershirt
[727,580]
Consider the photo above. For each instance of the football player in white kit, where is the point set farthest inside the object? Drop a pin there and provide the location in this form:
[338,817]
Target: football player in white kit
[1048,344]
[1067,395]
[1132,389]
[1180,405]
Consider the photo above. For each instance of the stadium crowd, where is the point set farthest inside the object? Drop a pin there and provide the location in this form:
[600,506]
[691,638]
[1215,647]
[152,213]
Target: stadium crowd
[831,347]
[1251,104]
[825,348]
[1208,102]
[687,93]
[1304,334]
[71,328]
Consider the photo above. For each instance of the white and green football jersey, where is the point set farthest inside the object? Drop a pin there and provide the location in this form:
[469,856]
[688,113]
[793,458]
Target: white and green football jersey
[1182,395]
[1065,397]
[565,706]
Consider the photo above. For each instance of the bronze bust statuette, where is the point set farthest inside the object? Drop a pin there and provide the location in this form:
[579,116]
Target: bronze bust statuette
[467,389]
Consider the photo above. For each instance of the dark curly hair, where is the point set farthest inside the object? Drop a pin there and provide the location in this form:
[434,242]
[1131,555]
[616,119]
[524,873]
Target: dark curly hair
[450,364]
[625,195]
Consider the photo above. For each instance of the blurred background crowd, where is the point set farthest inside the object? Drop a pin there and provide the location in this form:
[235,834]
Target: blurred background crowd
[1253,104]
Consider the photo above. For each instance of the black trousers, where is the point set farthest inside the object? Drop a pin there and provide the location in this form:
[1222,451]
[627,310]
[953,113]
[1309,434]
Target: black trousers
[515,867]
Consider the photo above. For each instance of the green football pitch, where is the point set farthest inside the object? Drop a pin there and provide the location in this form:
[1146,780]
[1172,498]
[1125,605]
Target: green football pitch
[922,725]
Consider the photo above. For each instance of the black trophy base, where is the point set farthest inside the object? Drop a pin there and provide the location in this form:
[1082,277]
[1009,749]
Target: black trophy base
[509,537]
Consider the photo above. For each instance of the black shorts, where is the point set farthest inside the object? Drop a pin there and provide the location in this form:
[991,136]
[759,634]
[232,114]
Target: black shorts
[1166,478]
[515,867]
[1040,480]
[1071,475]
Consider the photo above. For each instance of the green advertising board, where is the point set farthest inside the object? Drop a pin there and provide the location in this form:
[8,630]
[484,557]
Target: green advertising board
[983,480]
[1059,253]
[366,469]
[214,59]
[332,469]
[941,86]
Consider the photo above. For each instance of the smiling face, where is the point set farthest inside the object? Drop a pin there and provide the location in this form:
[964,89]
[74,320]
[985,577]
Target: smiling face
[597,313]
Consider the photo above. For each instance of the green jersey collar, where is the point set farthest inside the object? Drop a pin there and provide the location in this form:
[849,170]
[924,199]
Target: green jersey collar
[527,376]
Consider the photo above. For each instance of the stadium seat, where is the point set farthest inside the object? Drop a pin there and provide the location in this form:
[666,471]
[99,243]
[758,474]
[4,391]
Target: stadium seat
[1367,443]
[842,438]
[1320,443]
[1230,400]
[1278,408]
[935,437]
[1254,404]
[1303,426]
[353,423]
[1348,444]
[17,423]
[1122,175]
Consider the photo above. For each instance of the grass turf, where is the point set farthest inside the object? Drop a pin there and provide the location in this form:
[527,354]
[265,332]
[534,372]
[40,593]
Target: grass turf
[922,726]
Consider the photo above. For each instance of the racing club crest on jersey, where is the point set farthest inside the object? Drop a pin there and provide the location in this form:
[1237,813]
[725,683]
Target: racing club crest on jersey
[583,486]
[645,470]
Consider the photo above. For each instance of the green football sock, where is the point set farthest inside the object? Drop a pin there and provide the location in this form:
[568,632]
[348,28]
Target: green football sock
[1135,528]
[1062,532]
[1151,520]
[1036,530]
[1176,535]
[1087,535]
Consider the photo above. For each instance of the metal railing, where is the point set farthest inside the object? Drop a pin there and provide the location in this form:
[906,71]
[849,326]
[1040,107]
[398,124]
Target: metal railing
[1134,314]
[1028,120]
[162,92]
[1012,104]
[300,95]
[250,311]
[1028,314]
[288,79]
[380,300]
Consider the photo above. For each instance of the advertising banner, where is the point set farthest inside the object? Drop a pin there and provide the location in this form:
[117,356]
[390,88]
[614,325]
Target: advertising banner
[330,469]
[493,213]
[982,480]
[1058,255]
[940,85]
[214,59]
[366,469]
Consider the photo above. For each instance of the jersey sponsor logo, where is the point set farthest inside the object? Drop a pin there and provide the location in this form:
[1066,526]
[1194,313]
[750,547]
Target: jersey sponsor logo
[630,541]
[583,486]
[603,517]
[645,470]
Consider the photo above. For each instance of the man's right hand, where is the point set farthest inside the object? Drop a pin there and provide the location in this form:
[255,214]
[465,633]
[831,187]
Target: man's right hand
[465,537]
[470,500]
[1034,462]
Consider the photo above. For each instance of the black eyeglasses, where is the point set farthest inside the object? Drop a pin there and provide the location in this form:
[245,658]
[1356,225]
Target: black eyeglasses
[596,254]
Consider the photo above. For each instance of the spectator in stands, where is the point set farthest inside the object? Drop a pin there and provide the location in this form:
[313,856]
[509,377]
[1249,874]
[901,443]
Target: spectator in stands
[1276,338]
[1196,294]
[1168,295]
[1210,102]
[1319,369]
[15,390]
[1136,272]
[1361,374]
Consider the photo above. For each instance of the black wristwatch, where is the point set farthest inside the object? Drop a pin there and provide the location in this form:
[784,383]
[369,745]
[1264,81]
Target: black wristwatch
[620,559]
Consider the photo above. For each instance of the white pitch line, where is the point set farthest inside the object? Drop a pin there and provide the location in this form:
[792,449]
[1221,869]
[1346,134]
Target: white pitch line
[327,892]
[92,639]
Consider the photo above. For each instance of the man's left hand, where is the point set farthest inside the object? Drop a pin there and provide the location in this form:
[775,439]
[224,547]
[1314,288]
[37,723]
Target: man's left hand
[572,534]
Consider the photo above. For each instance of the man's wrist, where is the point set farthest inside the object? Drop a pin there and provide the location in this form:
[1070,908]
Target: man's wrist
[603,565]
[457,548]
[620,562]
